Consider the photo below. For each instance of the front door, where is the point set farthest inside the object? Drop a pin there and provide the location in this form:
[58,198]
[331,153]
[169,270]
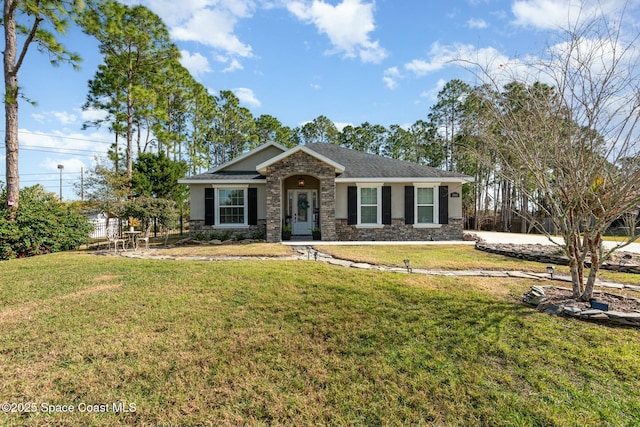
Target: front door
[304,204]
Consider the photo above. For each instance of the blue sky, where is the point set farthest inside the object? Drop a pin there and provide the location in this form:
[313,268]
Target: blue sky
[381,61]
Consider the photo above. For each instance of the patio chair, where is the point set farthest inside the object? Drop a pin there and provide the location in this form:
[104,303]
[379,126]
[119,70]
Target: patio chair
[144,238]
[113,237]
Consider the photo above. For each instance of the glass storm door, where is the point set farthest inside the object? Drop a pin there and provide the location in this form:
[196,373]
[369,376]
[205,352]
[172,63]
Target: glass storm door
[304,203]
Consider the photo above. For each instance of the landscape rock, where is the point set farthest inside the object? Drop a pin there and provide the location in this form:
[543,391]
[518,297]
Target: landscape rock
[540,299]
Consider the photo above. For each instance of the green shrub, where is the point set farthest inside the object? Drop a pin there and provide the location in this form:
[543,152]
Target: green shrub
[257,235]
[222,236]
[42,225]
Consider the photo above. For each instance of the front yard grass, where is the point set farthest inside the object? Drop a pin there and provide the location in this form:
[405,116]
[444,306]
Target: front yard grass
[298,343]
[445,257]
[229,250]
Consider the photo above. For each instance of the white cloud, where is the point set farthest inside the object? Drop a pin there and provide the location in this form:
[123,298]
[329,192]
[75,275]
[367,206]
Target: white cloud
[246,95]
[479,24]
[467,56]
[64,118]
[214,28]
[347,25]
[92,115]
[420,67]
[71,165]
[233,66]
[432,94]
[209,22]
[61,117]
[391,77]
[197,64]
[553,14]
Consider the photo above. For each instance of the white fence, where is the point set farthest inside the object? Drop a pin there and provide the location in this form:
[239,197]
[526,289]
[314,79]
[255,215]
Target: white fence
[100,229]
[116,225]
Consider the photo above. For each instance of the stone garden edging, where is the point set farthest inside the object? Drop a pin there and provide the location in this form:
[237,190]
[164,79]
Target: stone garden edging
[536,298]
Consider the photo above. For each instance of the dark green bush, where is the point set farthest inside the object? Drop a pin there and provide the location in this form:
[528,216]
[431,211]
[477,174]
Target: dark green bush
[42,225]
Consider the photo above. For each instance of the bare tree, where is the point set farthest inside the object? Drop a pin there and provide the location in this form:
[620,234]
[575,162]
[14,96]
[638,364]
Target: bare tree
[565,134]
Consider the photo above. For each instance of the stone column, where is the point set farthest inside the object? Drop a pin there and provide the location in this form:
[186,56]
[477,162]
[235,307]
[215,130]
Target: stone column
[328,208]
[274,206]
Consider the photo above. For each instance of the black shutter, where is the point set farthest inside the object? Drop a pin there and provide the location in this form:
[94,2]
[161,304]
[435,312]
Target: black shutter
[443,204]
[252,202]
[352,205]
[209,206]
[386,205]
[409,207]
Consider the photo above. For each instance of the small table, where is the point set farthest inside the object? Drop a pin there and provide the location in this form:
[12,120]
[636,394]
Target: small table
[132,237]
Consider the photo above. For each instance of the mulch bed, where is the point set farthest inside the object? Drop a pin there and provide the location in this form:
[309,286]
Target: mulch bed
[616,302]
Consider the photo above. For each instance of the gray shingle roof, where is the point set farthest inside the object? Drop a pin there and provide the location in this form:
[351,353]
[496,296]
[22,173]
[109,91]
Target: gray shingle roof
[356,163]
[230,175]
[364,165]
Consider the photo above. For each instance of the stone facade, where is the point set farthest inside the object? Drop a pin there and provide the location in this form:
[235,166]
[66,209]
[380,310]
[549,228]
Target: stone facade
[198,227]
[300,163]
[399,231]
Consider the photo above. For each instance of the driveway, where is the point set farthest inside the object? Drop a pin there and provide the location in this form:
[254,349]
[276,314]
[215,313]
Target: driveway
[488,236]
[532,239]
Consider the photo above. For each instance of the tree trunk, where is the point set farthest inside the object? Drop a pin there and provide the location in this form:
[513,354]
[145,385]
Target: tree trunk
[575,264]
[594,251]
[524,228]
[11,109]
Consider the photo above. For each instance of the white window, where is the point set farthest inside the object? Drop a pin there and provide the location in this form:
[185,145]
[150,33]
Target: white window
[232,207]
[370,205]
[426,209]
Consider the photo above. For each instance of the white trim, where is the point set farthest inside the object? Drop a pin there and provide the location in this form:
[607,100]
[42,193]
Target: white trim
[378,187]
[262,167]
[245,195]
[423,184]
[436,202]
[219,183]
[407,180]
[231,186]
[247,154]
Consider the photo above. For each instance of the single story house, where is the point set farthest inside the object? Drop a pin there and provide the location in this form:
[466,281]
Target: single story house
[349,195]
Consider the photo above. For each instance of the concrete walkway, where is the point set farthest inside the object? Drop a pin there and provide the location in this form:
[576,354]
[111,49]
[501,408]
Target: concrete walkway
[533,239]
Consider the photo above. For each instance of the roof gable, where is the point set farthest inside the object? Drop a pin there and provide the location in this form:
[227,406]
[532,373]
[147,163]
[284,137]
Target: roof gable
[262,167]
[249,160]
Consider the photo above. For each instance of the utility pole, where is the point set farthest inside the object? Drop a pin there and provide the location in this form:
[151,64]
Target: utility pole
[60,167]
[82,184]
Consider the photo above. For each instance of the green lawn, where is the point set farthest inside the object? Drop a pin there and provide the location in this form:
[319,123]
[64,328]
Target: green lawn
[453,257]
[298,343]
